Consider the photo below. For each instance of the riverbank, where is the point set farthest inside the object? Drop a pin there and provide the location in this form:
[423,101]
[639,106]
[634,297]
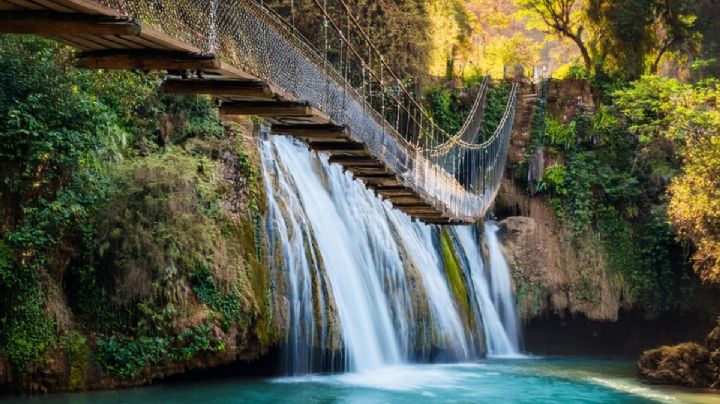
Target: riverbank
[506,380]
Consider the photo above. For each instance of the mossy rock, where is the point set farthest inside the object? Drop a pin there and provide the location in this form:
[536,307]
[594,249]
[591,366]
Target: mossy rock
[685,364]
[454,275]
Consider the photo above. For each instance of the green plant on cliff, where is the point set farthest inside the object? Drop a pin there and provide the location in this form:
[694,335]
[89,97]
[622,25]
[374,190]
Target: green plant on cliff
[611,173]
[103,200]
[54,136]
[126,357]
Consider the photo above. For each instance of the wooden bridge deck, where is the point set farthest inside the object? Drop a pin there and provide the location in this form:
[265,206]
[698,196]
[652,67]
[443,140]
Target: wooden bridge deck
[107,39]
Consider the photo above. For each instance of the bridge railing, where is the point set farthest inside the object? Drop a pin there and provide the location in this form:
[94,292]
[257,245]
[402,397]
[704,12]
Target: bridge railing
[354,87]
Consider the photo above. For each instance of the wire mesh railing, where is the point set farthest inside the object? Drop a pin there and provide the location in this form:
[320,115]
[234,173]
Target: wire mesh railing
[335,66]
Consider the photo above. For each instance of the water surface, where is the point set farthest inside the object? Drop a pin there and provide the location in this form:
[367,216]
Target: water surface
[491,381]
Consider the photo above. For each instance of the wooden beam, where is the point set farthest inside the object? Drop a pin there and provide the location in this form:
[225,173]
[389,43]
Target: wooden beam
[237,88]
[340,147]
[122,59]
[372,181]
[355,161]
[265,108]
[87,7]
[370,171]
[408,200]
[311,131]
[65,24]
[371,177]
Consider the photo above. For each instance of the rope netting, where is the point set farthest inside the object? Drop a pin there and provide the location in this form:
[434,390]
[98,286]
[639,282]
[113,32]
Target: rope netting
[337,68]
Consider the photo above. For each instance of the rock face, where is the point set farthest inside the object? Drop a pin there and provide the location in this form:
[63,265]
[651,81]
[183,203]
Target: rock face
[554,271]
[688,364]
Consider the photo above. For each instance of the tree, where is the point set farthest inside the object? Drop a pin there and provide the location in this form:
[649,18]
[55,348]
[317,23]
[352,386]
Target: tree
[675,25]
[560,17]
[634,35]
[661,110]
[695,205]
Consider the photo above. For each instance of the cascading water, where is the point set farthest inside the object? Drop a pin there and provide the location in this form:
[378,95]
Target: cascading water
[501,287]
[501,333]
[361,277]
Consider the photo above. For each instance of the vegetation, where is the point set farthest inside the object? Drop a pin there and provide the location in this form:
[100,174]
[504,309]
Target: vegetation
[119,243]
[616,169]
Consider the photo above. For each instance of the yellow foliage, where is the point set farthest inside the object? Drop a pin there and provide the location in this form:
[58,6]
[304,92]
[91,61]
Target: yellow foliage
[444,33]
[695,204]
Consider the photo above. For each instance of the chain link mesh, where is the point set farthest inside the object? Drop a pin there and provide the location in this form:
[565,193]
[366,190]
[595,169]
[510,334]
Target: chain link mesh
[346,77]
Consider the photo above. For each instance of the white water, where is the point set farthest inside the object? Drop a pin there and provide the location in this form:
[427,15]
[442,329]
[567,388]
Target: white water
[359,267]
[501,288]
[499,341]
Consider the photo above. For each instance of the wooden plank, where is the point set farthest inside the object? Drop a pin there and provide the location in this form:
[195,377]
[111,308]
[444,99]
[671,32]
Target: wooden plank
[350,161]
[168,42]
[122,41]
[7,6]
[107,44]
[53,6]
[370,171]
[273,109]
[407,200]
[84,43]
[67,25]
[218,87]
[26,5]
[126,59]
[229,71]
[417,211]
[354,147]
[327,131]
[143,43]
[71,42]
[382,181]
[308,129]
[87,7]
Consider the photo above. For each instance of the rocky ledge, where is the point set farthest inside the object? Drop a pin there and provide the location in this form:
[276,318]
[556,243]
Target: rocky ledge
[688,364]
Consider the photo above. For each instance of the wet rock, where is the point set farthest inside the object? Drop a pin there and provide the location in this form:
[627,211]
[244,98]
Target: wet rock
[685,364]
[689,364]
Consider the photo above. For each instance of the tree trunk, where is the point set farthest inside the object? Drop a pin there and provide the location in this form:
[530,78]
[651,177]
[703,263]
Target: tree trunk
[661,52]
[583,51]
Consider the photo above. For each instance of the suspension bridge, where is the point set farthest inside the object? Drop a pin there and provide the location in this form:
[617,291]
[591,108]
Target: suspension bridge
[334,91]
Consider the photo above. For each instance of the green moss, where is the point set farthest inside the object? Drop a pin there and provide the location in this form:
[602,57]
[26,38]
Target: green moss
[78,355]
[453,272]
[227,304]
[531,297]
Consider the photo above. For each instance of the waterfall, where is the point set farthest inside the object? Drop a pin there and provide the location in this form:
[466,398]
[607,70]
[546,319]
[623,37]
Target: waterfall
[362,279]
[501,333]
[501,288]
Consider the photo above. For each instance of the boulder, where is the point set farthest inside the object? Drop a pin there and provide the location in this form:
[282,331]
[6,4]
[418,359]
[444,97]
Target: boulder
[685,364]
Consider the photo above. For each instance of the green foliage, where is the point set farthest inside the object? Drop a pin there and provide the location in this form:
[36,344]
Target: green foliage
[695,205]
[228,305]
[27,333]
[51,131]
[96,192]
[611,173]
[497,99]
[560,135]
[445,108]
[126,357]
[571,71]
[78,354]
[193,341]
